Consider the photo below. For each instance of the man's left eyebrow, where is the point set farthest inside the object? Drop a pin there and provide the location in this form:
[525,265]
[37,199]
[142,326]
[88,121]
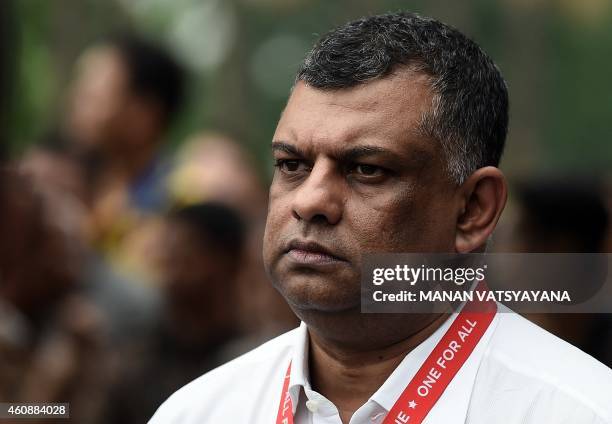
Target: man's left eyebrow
[416,159]
[358,152]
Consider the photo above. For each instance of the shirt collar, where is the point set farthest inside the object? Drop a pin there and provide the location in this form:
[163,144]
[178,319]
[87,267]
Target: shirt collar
[299,365]
[456,397]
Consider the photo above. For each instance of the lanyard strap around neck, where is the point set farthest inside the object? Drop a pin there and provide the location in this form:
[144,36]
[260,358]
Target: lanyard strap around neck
[436,373]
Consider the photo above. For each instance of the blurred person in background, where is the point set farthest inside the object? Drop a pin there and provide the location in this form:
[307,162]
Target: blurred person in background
[126,92]
[563,215]
[203,253]
[214,167]
[53,162]
[53,344]
[128,305]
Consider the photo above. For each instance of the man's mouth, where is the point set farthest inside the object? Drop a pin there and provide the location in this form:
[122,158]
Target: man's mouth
[308,252]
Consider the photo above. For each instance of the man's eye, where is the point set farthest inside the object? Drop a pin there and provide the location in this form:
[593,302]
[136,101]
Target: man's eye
[288,165]
[368,170]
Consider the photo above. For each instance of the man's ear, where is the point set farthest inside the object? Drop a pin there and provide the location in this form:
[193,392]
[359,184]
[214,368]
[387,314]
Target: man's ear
[483,196]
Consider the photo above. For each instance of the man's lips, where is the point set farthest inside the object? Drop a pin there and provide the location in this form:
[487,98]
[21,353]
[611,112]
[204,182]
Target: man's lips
[311,253]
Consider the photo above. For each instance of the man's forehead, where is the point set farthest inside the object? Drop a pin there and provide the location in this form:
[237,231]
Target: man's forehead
[385,108]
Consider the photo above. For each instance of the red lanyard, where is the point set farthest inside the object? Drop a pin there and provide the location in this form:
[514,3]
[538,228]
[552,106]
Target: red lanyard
[285,408]
[430,381]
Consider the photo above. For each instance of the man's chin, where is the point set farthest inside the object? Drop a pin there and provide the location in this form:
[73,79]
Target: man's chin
[311,305]
[320,297]
[312,289]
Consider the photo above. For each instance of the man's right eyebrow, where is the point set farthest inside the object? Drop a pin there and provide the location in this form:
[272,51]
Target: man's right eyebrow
[286,147]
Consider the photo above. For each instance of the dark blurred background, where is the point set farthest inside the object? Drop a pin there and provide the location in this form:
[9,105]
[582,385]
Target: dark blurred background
[134,138]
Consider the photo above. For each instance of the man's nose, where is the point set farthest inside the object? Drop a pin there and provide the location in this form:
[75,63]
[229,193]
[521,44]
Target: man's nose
[319,197]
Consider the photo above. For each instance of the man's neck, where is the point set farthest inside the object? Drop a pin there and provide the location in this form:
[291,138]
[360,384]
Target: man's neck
[348,377]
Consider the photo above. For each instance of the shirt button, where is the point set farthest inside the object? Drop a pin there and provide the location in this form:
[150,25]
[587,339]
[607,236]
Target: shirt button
[312,405]
[376,417]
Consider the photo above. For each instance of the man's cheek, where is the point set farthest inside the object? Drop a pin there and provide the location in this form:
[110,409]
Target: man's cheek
[394,233]
[273,233]
[373,223]
[276,190]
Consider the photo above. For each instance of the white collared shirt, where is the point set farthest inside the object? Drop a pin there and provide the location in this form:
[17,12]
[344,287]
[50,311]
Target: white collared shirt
[517,374]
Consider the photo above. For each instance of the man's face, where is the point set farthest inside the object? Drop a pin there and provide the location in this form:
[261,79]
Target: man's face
[354,175]
[99,96]
[192,270]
